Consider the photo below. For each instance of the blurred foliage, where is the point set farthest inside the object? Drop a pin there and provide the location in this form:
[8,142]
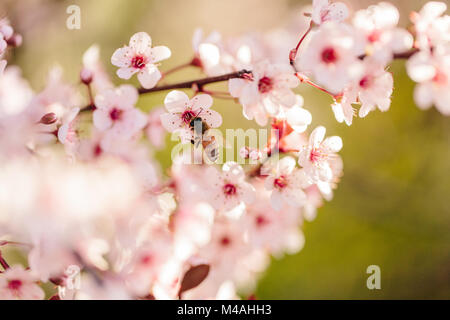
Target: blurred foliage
[392,206]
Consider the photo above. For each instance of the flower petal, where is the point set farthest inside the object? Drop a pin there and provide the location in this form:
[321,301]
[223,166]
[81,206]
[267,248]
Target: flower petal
[176,101]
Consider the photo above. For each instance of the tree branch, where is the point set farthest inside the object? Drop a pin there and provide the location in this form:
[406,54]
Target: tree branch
[199,82]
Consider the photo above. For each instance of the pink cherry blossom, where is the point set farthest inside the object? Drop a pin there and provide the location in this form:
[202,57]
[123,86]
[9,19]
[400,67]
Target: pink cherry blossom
[155,130]
[373,89]
[296,116]
[323,11]
[91,63]
[139,57]
[269,89]
[431,26]
[379,25]
[286,183]
[432,72]
[67,132]
[316,157]
[185,114]
[332,55]
[18,283]
[228,189]
[116,112]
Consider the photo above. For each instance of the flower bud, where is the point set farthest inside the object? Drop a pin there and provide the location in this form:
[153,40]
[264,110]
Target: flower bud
[48,118]
[86,76]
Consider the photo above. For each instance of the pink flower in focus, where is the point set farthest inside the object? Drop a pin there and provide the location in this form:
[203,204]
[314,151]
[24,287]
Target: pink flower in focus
[332,55]
[116,113]
[139,57]
[317,156]
[286,183]
[18,283]
[228,188]
[269,89]
[186,114]
[323,11]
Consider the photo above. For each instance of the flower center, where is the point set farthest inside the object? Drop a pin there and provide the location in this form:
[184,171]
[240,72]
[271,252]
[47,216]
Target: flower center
[265,84]
[329,55]
[115,114]
[98,150]
[280,182]
[138,62]
[260,221]
[229,189]
[374,36]
[14,284]
[440,78]
[187,116]
[225,241]
[315,155]
[365,82]
[147,259]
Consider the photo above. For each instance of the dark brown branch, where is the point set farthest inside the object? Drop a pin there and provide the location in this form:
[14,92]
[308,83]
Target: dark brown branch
[199,82]
[401,55]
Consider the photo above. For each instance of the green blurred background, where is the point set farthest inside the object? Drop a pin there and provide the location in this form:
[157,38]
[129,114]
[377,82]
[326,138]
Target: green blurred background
[392,206]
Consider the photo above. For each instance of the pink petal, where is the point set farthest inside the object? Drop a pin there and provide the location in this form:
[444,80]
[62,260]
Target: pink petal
[149,77]
[126,72]
[159,53]
[171,122]
[203,101]
[102,120]
[122,57]
[140,42]
[212,118]
[176,101]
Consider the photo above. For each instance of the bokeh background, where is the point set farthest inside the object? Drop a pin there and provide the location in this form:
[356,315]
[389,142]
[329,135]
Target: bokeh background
[392,206]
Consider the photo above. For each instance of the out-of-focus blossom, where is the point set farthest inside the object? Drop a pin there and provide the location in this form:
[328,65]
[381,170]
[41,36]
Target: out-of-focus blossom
[379,25]
[18,283]
[185,115]
[139,57]
[316,157]
[332,55]
[116,112]
[15,92]
[296,116]
[155,130]
[92,64]
[268,90]
[432,72]
[323,11]
[431,26]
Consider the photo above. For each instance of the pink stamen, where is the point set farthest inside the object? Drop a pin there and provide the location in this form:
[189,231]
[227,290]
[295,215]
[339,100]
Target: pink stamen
[229,189]
[14,285]
[265,84]
[329,55]
[280,182]
[138,62]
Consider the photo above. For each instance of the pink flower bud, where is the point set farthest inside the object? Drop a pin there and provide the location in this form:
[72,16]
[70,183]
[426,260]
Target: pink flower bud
[86,76]
[48,118]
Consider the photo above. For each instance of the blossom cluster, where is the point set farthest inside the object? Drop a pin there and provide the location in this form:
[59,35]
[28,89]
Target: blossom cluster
[79,185]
